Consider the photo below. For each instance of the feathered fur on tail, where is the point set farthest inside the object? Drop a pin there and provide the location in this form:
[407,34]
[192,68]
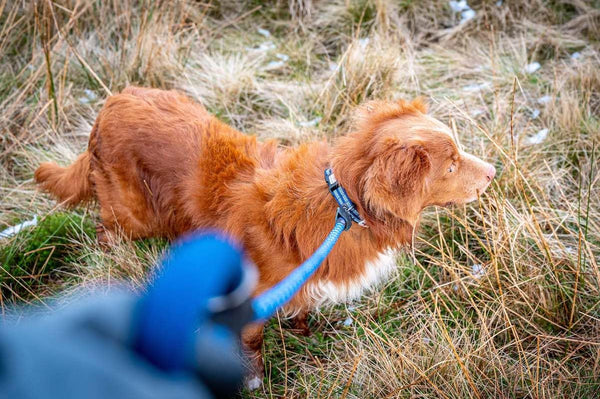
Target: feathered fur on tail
[70,184]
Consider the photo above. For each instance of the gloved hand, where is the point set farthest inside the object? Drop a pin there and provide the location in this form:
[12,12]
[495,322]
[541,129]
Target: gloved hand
[117,344]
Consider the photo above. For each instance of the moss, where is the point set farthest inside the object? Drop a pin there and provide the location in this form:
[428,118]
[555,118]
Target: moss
[35,254]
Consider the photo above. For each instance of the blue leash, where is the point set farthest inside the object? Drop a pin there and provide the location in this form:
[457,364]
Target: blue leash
[266,304]
[185,294]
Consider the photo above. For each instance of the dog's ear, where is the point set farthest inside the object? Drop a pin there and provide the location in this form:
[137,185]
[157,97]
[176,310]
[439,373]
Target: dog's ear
[397,179]
[409,166]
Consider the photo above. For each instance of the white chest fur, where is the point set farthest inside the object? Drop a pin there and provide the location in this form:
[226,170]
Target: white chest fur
[375,272]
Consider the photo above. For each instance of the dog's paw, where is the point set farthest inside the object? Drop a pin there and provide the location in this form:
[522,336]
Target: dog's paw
[253,382]
[102,236]
[300,325]
[303,331]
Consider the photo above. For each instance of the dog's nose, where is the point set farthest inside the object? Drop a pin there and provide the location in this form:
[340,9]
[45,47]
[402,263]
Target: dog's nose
[491,173]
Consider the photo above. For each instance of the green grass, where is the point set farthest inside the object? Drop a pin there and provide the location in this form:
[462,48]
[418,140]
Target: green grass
[37,255]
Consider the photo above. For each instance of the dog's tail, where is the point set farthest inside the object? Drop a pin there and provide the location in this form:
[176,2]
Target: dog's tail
[70,184]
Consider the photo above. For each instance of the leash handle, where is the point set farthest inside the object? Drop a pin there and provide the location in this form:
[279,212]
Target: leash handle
[201,274]
[266,304]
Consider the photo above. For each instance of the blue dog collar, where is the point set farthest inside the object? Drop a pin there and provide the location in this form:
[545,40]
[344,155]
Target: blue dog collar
[346,208]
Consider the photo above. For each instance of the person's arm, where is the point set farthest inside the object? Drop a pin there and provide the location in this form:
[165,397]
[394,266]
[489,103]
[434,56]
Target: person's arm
[164,343]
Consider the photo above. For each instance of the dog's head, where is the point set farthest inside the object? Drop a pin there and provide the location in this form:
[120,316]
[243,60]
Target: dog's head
[405,160]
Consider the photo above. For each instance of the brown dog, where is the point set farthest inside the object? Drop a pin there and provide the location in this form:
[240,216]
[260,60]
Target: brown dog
[161,165]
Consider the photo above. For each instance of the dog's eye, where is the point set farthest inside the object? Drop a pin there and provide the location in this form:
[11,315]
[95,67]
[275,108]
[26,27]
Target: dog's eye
[451,168]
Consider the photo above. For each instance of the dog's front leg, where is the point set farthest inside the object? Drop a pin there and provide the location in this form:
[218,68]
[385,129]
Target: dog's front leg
[252,341]
[102,236]
[300,323]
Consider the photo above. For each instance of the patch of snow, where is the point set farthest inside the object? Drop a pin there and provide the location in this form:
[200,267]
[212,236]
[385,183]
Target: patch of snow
[89,97]
[462,7]
[478,271]
[263,47]
[534,66]
[538,137]
[348,321]
[274,65]
[544,100]
[499,3]
[264,32]
[467,15]
[364,42]
[90,94]
[283,58]
[458,6]
[476,87]
[535,113]
[576,55]
[570,250]
[253,384]
[11,231]
[310,123]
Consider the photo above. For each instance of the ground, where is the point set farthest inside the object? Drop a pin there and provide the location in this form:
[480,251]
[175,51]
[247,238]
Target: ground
[499,298]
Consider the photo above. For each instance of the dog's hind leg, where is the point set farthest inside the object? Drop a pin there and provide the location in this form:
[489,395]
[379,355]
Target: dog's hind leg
[124,209]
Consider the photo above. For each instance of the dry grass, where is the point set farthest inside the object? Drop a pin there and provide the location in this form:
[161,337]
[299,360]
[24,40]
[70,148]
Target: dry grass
[499,299]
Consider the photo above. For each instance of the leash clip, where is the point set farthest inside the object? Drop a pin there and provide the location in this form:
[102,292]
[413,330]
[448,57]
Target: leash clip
[343,214]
